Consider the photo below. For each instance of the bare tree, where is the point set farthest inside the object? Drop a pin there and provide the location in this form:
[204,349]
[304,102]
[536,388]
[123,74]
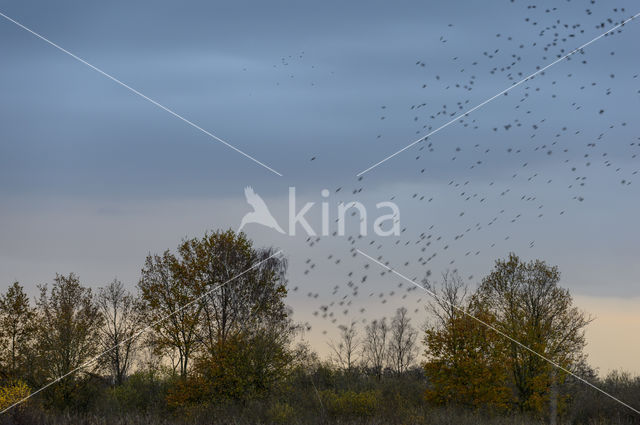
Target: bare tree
[121,323]
[346,350]
[450,299]
[375,345]
[402,344]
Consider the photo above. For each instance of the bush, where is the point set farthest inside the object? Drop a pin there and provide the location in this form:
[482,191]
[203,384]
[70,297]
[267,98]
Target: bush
[351,404]
[13,393]
[143,392]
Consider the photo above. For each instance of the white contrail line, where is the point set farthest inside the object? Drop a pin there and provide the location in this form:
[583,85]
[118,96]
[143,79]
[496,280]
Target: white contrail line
[493,328]
[137,334]
[457,117]
[131,89]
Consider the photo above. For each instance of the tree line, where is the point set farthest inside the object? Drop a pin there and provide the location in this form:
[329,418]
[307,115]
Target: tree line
[190,320]
[208,327]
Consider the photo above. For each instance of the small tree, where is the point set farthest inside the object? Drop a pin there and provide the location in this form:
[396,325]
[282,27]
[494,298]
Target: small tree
[402,344]
[346,351]
[375,346]
[69,323]
[17,331]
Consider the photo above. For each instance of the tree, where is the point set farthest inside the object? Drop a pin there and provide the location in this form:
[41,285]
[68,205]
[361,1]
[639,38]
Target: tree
[530,307]
[464,358]
[168,305]
[17,329]
[451,295]
[402,344]
[243,287]
[215,291]
[121,326]
[247,365]
[69,323]
[346,350]
[375,345]
[236,326]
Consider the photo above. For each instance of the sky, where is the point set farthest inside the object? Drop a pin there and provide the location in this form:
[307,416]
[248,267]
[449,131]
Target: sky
[93,177]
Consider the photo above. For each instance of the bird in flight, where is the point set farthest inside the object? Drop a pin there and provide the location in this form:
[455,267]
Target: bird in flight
[260,213]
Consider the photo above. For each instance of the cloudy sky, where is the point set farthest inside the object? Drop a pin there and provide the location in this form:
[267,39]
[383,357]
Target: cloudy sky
[93,177]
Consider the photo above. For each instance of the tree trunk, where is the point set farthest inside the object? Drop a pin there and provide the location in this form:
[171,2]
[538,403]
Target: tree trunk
[553,399]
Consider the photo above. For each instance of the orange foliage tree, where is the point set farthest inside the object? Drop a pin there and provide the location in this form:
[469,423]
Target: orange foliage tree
[465,362]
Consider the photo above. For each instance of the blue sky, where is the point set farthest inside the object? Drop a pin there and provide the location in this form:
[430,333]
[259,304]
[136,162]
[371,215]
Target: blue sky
[92,178]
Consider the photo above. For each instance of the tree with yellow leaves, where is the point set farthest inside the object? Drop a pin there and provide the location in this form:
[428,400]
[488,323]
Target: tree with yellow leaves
[472,354]
[465,359]
[530,307]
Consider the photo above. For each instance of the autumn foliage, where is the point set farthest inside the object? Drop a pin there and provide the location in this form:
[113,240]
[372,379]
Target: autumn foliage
[493,349]
[208,338]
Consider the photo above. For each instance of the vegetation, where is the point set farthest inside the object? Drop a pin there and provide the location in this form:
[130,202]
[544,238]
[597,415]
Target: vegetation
[195,346]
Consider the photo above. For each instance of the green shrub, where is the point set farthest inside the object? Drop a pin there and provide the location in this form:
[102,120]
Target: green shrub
[351,404]
[142,392]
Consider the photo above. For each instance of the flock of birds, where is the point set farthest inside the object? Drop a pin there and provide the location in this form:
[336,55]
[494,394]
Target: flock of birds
[528,141]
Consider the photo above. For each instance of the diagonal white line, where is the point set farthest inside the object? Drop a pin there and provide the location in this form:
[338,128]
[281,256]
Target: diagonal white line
[131,89]
[498,331]
[137,334]
[480,105]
